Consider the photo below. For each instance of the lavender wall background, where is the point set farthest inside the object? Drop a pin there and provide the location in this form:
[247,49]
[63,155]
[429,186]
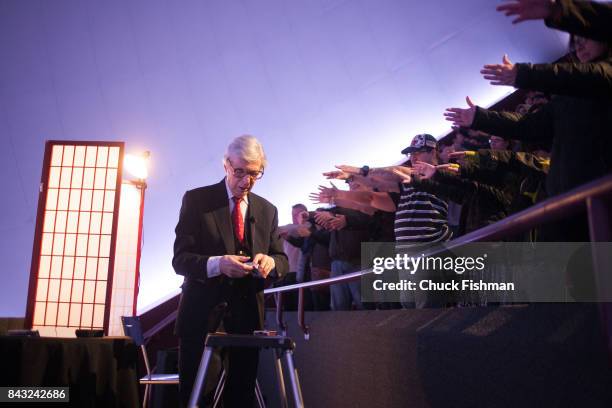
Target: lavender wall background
[320,82]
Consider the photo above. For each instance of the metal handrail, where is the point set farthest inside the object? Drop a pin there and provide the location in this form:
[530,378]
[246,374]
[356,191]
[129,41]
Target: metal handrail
[551,209]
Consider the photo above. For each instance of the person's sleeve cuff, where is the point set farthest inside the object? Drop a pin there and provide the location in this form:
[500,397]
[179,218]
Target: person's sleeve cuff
[212,266]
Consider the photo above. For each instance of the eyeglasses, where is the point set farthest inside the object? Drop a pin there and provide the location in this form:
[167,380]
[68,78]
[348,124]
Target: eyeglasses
[242,173]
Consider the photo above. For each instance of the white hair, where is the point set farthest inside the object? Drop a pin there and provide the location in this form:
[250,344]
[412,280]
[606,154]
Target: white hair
[248,148]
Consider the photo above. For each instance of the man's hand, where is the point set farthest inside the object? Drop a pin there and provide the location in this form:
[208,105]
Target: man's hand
[337,223]
[336,174]
[451,167]
[405,177]
[294,230]
[461,117]
[323,218]
[460,156]
[326,195]
[424,170]
[349,169]
[264,263]
[527,9]
[284,230]
[233,266]
[500,74]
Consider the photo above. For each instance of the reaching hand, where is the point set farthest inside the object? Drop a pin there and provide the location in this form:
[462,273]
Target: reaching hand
[325,195]
[461,117]
[349,169]
[303,217]
[323,218]
[527,9]
[337,174]
[461,154]
[500,74]
[302,231]
[404,176]
[233,266]
[336,223]
[424,170]
[452,167]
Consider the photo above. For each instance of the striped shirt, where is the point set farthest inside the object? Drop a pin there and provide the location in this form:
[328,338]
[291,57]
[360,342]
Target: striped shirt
[420,216]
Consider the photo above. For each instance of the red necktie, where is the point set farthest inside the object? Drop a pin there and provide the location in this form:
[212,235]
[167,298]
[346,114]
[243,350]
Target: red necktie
[237,220]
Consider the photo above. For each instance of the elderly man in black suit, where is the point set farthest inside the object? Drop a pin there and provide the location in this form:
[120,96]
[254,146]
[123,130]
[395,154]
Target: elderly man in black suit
[226,246]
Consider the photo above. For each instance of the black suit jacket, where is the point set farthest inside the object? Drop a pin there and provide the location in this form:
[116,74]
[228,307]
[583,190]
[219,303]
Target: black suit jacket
[205,229]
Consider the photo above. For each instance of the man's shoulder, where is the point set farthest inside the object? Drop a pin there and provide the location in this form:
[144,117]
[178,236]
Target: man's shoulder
[205,190]
[261,201]
[207,198]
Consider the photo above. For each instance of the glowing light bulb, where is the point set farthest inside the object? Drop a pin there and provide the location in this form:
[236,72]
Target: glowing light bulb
[136,165]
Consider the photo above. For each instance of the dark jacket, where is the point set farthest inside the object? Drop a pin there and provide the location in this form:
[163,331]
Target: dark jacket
[522,172]
[345,244]
[578,129]
[579,79]
[482,204]
[585,18]
[205,229]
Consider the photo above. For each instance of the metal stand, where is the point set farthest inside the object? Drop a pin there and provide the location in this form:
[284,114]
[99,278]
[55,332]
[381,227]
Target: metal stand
[261,403]
[282,345]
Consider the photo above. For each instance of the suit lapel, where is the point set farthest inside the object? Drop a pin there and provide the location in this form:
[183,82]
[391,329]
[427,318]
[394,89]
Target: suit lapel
[223,219]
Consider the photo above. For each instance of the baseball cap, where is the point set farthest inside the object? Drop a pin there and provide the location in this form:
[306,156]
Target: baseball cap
[422,142]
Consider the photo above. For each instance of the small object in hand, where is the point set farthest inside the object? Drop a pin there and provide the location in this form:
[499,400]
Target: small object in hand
[255,271]
[265,332]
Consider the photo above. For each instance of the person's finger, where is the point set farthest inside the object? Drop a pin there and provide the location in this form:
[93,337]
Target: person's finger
[490,74]
[241,266]
[508,9]
[504,7]
[491,67]
[404,177]
[469,102]
[347,169]
[257,259]
[454,110]
[506,59]
[268,267]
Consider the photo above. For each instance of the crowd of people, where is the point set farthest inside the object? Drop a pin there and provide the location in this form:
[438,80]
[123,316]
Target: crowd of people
[493,164]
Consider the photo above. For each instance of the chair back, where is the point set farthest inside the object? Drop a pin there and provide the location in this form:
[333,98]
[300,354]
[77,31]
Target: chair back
[133,329]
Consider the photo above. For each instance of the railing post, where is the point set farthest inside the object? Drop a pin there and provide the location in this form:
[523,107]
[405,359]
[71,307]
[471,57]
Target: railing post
[301,322]
[282,327]
[600,228]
